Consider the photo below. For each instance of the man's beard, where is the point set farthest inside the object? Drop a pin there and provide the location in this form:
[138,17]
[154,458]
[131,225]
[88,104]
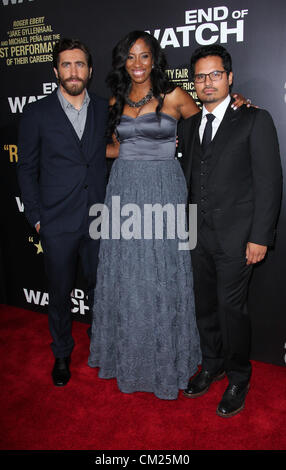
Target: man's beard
[73,89]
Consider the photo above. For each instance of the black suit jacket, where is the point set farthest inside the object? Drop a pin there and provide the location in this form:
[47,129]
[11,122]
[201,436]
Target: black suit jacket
[245,177]
[61,176]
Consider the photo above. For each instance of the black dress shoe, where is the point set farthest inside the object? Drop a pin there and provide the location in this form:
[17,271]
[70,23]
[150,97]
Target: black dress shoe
[200,384]
[61,373]
[232,401]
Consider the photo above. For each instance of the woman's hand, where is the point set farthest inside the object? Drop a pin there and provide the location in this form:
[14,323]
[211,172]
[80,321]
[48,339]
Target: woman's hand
[239,101]
[112,149]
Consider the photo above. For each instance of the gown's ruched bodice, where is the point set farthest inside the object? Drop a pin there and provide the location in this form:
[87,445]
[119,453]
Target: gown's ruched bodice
[147,137]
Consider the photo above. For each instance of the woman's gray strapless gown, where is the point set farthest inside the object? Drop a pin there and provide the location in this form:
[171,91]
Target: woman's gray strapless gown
[144,332]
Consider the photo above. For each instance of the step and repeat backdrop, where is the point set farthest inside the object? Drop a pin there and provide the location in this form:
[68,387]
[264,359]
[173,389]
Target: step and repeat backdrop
[254,31]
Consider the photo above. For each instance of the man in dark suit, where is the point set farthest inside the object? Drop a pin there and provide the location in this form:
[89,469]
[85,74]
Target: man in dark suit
[61,173]
[232,166]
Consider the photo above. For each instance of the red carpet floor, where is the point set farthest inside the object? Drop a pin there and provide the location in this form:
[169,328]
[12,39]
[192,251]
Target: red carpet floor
[92,414]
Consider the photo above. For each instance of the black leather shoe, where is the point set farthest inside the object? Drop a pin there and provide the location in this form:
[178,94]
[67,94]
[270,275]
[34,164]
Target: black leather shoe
[232,401]
[200,384]
[61,373]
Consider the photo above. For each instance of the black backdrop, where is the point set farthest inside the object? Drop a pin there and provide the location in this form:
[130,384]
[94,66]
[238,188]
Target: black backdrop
[254,33]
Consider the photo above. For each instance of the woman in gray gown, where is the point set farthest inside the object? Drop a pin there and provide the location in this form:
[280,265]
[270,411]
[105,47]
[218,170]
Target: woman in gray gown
[144,331]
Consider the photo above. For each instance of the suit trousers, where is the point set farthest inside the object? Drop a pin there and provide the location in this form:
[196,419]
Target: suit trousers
[221,286]
[61,256]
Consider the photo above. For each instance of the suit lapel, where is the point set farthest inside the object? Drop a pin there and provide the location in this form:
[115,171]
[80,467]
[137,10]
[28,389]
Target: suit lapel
[64,123]
[88,119]
[222,139]
[191,129]
[89,131]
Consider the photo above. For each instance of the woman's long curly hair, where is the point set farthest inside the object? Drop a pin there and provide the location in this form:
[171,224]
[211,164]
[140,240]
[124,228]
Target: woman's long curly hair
[118,80]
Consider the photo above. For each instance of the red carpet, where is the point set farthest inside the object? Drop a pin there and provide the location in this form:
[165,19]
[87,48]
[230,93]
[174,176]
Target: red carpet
[91,414]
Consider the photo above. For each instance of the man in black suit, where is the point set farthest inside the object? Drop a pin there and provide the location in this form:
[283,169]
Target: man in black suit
[61,173]
[232,167]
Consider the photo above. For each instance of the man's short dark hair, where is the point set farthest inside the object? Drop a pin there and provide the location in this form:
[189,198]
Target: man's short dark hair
[215,50]
[66,44]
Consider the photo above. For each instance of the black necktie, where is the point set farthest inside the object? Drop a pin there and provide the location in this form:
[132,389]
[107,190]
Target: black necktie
[207,137]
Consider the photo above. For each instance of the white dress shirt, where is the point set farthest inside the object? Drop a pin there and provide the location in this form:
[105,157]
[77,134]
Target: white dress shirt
[218,112]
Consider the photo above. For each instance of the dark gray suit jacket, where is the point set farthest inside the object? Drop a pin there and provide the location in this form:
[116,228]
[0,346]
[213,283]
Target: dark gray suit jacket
[61,176]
